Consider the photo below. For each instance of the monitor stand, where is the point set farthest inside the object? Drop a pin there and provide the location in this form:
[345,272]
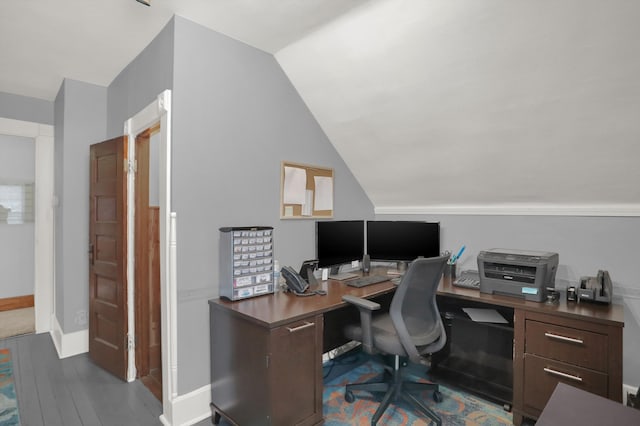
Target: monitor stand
[402,266]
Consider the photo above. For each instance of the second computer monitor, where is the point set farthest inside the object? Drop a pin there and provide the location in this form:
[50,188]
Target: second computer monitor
[402,241]
[339,242]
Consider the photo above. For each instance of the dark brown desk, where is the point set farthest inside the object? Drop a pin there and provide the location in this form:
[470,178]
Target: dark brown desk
[266,352]
[577,343]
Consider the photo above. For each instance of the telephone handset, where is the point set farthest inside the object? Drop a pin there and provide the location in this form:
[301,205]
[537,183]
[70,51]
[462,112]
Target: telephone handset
[295,282]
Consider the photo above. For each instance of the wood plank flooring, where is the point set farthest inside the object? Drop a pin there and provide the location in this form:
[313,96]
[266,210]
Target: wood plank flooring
[73,391]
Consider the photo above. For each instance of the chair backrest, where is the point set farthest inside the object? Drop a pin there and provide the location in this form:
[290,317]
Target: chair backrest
[414,311]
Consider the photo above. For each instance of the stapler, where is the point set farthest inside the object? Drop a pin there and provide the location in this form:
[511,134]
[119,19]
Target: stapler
[596,289]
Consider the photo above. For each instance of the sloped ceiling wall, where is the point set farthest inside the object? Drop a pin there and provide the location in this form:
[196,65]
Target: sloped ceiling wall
[435,105]
[464,105]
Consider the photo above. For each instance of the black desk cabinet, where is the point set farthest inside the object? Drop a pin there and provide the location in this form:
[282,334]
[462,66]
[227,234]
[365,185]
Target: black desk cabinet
[265,374]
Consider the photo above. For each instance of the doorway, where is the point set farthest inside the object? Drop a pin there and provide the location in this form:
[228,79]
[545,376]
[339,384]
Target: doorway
[147,262]
[44,219]
[157,112]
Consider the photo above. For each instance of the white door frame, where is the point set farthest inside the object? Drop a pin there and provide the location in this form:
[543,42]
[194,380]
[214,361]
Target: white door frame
[44,216]
[157,111]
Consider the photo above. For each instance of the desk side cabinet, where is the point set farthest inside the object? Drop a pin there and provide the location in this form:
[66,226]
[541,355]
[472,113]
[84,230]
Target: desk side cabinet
[550,349]
[274,370]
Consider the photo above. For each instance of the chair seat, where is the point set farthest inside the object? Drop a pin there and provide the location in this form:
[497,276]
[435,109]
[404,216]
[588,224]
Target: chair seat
[385,337]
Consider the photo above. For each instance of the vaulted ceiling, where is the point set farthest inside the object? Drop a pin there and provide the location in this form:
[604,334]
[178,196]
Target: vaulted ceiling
[435,105]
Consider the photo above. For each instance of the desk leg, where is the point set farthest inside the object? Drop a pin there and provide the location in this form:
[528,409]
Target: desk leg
[517,419]
[216,418]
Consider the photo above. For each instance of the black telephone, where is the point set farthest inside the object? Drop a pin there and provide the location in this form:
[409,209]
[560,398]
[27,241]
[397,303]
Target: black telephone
[295,283]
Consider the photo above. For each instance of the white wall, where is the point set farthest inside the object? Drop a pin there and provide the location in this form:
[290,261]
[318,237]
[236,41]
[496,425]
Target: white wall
[480,103]
[17,165]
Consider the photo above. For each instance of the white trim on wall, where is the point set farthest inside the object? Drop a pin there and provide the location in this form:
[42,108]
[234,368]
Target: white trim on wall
[608,210]
[157,111]
[44,215]
[69,344]
[190,408]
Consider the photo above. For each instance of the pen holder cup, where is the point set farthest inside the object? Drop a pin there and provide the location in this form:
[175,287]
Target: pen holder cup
[450,271]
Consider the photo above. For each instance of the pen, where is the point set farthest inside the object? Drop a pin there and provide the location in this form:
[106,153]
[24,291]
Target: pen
[457,256]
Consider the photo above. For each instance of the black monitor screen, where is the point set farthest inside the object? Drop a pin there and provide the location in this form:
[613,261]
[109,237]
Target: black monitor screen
[339,242]
[402,240]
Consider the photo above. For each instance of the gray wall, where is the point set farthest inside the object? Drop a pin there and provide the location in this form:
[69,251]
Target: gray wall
[149,74]
[82,110]
[58,191]
[17,165]
[585,245]
[236,116]
[26,109]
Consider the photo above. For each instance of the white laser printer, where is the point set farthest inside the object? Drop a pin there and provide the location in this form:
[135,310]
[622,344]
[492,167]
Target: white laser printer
[520,273]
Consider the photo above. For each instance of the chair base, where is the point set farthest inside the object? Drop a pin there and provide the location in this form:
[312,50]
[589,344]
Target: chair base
[394,389]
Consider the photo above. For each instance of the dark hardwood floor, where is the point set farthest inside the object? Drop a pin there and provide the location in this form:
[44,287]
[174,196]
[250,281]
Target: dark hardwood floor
[73,391]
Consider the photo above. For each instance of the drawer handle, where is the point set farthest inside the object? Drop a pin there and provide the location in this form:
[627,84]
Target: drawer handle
[300,327]
[561,374]
[564,338]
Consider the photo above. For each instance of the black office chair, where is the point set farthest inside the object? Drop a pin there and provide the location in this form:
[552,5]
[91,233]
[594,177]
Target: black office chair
[412,328]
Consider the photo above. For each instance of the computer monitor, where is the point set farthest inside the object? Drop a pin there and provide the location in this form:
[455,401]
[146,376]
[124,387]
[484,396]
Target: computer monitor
[339,242]
[402,241]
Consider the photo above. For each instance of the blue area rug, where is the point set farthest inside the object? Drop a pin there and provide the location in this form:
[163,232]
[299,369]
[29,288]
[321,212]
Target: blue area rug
[457,408]
[9,415]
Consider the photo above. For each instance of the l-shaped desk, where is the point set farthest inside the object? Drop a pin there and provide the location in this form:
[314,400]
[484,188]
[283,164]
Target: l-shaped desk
[266,352]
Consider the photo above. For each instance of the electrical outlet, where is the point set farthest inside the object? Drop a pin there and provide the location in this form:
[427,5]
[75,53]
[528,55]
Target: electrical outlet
[80,317]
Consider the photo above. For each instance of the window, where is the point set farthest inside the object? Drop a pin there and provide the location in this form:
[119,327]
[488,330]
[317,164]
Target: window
[16,203]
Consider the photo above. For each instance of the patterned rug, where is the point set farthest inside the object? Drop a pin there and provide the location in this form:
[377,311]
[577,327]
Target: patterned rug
[8,404]
[457,407]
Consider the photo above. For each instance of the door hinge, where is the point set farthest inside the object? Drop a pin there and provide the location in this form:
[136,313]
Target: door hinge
[131,343]
[267,360]
[130,166]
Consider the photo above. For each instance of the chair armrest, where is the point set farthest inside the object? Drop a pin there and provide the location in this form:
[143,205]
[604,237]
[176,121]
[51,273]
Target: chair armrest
[361,303]
[366,307]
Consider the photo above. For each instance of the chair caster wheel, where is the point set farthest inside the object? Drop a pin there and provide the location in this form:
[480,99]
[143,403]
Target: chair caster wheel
[437,396]
[348,396]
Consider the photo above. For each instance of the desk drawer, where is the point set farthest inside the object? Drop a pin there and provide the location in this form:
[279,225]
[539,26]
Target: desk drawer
[578,347]
[543,375]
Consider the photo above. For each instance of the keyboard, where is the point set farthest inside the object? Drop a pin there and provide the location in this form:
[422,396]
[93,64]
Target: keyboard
[368,280]
[468,279]
[343,276]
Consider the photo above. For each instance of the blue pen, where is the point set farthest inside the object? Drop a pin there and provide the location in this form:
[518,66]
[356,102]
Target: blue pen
[457,256]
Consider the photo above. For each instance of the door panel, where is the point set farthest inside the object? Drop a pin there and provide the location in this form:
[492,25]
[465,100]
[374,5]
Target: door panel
[154,293]
[107,257]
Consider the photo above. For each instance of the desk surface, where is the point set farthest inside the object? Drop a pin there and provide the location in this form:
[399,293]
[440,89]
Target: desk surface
[284,307]
[571,406]
[607,314]
[281,307]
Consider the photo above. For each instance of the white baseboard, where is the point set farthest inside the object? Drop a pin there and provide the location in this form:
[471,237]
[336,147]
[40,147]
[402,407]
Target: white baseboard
[69,344]
[189,408]
[626,389]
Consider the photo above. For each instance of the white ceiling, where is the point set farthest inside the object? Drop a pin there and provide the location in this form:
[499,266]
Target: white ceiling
[435,105]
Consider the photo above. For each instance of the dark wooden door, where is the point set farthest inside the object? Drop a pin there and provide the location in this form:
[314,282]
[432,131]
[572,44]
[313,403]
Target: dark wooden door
[107,256]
